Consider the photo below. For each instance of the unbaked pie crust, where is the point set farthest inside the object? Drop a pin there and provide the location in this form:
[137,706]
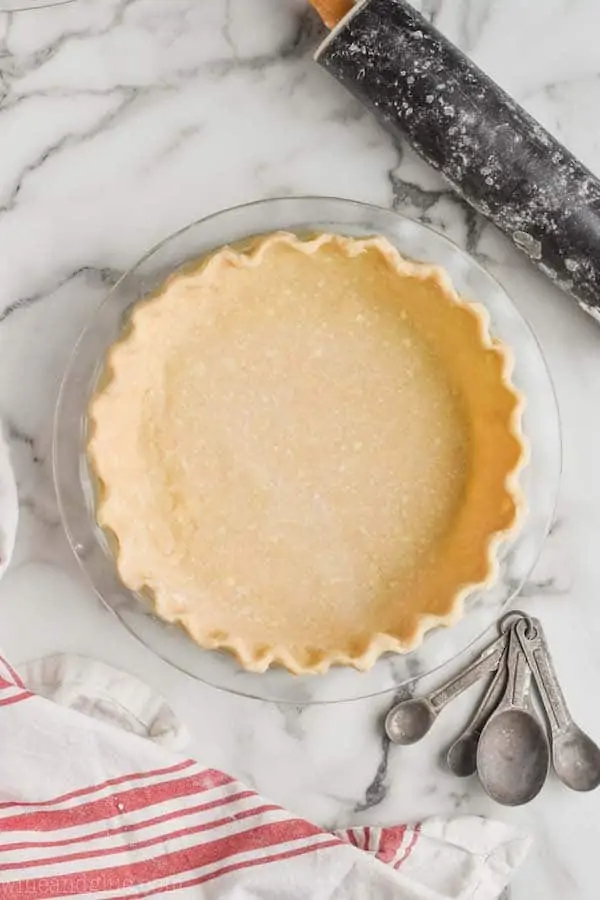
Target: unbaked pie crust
[306,451]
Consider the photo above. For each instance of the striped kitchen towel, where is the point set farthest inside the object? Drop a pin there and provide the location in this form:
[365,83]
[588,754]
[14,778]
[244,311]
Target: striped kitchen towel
[94,803]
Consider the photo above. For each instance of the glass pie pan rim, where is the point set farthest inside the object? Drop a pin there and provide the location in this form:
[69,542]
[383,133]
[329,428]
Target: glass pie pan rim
[540,479]
[14,6]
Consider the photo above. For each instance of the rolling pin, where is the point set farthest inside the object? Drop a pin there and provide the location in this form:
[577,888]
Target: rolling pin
[493,153]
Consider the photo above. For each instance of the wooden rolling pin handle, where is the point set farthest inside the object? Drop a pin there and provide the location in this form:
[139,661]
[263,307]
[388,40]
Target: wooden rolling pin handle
[332,11]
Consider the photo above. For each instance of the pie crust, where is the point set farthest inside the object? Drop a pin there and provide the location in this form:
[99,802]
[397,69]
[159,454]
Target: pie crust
[306,451]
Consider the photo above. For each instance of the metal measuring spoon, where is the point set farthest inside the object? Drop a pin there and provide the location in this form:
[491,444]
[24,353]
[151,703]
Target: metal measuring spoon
[512,754]
[410,720]
[575,756]
[461,757]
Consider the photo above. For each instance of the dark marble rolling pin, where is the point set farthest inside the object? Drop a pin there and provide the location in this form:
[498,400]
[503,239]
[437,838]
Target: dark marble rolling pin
[492,152]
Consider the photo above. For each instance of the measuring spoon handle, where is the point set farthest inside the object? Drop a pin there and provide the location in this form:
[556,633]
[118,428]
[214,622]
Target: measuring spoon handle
[487,661]
[490,701]
[533,641]
[518,674]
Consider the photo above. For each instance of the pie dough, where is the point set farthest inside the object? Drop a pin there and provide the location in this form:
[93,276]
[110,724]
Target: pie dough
[306,451]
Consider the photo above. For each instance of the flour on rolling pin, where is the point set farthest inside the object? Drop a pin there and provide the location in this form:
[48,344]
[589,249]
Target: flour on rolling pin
[493,153]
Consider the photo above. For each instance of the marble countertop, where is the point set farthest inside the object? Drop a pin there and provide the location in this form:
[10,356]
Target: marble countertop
[122,120]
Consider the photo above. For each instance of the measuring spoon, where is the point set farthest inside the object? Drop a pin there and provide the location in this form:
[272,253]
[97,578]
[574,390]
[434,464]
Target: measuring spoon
[410,720]
[462,755]
[512,754]
[575,756]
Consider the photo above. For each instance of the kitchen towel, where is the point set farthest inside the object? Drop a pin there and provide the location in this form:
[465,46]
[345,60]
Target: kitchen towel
[96,802]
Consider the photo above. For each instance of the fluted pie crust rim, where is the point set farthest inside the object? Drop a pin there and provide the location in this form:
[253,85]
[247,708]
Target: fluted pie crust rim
[467,323]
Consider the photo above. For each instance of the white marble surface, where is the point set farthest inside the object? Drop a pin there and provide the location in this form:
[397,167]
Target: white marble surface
[121,120]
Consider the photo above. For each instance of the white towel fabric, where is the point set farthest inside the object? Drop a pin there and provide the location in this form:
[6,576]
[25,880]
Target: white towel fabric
[9,508]
[95,802]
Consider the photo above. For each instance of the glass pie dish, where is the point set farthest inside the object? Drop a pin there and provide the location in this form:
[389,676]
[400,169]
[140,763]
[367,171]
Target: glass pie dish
[30,5]
[74,485]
